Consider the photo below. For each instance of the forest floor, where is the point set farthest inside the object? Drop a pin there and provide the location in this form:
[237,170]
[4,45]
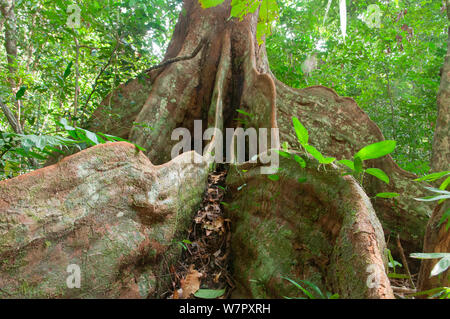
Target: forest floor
[204,263]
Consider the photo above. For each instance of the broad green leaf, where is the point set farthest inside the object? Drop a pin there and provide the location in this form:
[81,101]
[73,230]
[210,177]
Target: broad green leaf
[378,173]
[314,153]
[284,154]
[432,177]
[68,70]
[301,131]
[300,161]
[445,184]
[209,293]
[429,255]
[91,137]
[437,190]
[376,150]
[441,266]
[348,163]
[328,160]
[432,198]
[446,195]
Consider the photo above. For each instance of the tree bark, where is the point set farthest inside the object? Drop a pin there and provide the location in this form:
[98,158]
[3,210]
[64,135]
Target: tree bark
[177,94]
[7,10]
[437,237]
[437,240]
[440,160]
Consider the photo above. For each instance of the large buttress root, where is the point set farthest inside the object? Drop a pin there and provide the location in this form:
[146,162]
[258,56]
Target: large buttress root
[107,210]
[339,128]
[323,230]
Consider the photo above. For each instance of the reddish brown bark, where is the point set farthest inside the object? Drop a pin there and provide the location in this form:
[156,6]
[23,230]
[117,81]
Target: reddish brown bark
[184,91]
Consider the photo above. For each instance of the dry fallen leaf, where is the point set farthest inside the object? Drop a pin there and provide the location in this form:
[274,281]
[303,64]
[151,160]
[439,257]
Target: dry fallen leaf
[191,283]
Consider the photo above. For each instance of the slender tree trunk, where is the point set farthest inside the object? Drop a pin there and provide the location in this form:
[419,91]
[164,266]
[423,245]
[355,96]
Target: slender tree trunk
[7,10]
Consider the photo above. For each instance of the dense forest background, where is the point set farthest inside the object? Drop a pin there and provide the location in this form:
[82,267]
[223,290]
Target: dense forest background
[57,71]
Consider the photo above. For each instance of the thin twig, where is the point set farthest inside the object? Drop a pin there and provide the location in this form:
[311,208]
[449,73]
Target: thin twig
[178,59]
[402,254]
[94,87]
[404,290]
[77,77]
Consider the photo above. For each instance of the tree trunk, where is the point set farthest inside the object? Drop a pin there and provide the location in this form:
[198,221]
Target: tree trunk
[441,143]
[7,10]
[177,94]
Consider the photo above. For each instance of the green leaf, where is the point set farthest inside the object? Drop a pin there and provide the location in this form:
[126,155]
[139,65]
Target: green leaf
[68,70]
[317,155]
[306,292]
[284,154]
[429,255]
[302,180]
[358,165]
[314,153]
[441,266]
[301,131]
[300,161]
[376,150]
[328,160]
[209,293]
[387,195]
[274,177]
[378,173]
[315,288]
[21,92]
[432,198]
[244,113]
[92,137]
[446,195]
[432,177]
[445,184]
[210,3]
[348,163]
